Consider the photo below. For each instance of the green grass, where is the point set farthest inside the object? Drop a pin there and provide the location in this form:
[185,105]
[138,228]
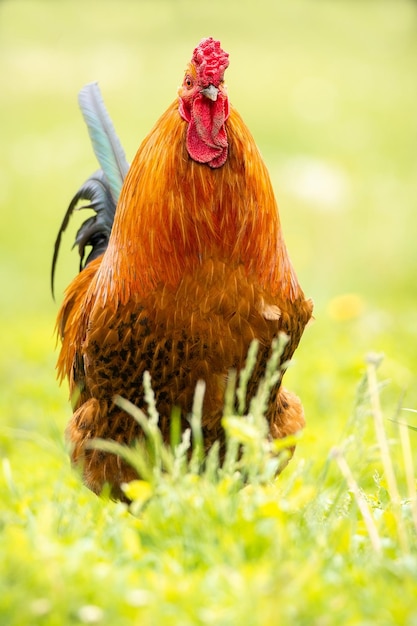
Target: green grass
[329,91]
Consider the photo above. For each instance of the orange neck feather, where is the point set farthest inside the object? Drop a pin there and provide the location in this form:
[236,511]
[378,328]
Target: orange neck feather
[173,213]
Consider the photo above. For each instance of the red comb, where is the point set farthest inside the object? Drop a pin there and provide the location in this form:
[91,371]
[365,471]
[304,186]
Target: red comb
[210,61]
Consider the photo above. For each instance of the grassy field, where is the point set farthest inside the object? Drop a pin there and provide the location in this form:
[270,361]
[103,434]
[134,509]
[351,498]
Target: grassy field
[329,91]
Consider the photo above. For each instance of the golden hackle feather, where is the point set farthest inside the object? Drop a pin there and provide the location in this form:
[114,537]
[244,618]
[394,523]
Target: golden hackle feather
[173,212]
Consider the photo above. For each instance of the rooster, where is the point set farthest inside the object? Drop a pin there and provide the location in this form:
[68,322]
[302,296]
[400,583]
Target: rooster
[187,267]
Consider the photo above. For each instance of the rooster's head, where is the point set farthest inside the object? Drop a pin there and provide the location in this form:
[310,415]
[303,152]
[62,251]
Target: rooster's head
[204,104]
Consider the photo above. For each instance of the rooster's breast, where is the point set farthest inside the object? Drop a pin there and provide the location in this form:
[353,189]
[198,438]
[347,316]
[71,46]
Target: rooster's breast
[199,330]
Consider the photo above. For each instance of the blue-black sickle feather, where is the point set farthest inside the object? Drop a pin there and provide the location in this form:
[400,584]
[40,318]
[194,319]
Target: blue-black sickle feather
[105,142]
[102,189]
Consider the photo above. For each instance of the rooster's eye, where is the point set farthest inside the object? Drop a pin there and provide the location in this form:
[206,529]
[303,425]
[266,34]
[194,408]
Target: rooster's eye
[188,82]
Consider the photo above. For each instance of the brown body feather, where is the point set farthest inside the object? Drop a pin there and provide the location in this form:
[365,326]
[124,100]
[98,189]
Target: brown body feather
[196,267]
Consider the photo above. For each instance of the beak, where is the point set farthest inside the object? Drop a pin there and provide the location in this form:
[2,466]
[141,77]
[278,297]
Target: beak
[211,92]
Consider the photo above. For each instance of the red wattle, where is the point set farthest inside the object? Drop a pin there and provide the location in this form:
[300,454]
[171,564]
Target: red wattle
[206,133]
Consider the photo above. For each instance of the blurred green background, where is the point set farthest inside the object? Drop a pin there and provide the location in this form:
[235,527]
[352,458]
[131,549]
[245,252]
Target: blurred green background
[329,90]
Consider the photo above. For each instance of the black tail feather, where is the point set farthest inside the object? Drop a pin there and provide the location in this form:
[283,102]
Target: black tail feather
[95,231]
